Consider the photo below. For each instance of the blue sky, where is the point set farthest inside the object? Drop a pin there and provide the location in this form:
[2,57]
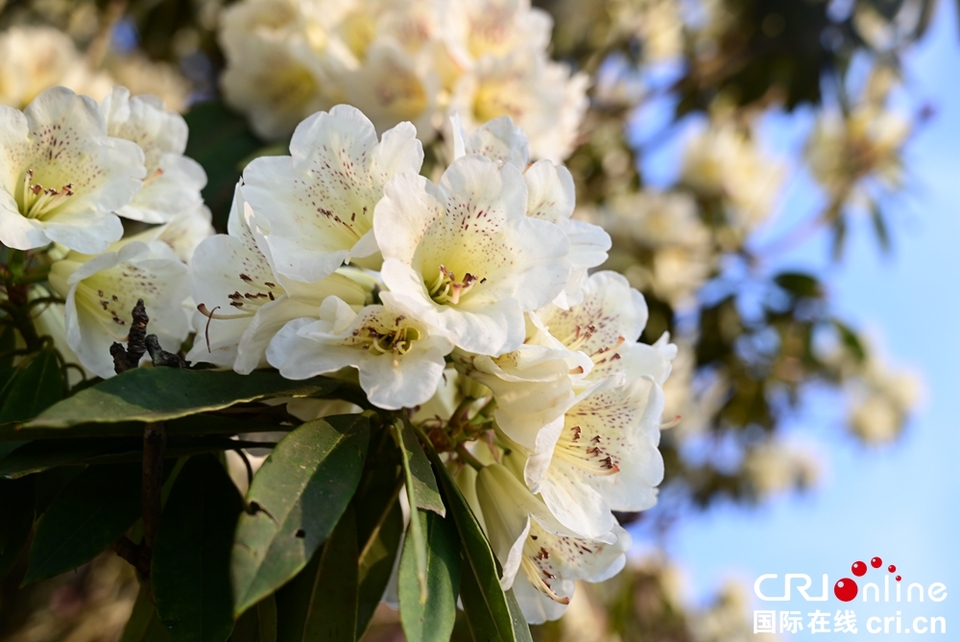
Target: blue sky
[902,502]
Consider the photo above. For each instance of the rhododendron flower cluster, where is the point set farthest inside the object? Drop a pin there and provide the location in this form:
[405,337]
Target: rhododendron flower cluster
[466,301]
[402,61]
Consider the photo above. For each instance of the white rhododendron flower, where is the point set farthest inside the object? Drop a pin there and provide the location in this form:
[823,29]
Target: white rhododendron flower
[173,181]
[541,558]
[582,402]
[242,301]
[550,194]
[605,455]
[565,350]
[316,207]
[101,291]
[465,251]
[400,358]
[62,176]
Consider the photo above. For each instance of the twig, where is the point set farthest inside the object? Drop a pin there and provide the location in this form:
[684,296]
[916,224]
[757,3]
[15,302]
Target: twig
[127,358]
[161,357]
[154,445]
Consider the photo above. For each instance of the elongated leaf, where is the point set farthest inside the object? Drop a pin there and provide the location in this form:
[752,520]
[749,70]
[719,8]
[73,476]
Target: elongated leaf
[92,512]
[7,447]
[36,384]
[190,569]
[520,625]
[156,394]
[295,501]
[37,456]
[432,620]
[41,455]
[417,541]
[16,509]
[333,613]
[50,483]
[484,601]
[258,624]
[420,473]
[192,425]
[156,632]
[379,530]
[8,343]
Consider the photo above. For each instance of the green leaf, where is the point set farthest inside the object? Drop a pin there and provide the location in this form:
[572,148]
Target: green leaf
[36,384]
[157,394]
[880,227]
[7,447]
[519,621]
[156,632]
[850,340]
[419,472]
[37,456]
[190,569]
[295,500]
[50,483]
[220,141]
[46,454]
[432,620]
[16,507]
[258,624]
[86,517]
[198,424]
[379,526]
[8,343]
[484,601]
[799,284]
[417,541]
[320,604]
[139,621]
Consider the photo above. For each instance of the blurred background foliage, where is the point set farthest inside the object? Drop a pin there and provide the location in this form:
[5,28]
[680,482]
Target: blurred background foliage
[755,337]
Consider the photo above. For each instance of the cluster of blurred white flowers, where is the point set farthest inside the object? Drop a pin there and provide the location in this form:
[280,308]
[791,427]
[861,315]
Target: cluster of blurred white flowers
[412,61]
[35,58]
[881,399]
[844,150]
[664,230]
[724,162]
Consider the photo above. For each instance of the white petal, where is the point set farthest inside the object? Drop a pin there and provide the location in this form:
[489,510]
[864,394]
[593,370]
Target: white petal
[500,140]
[320,202]
[266,323]
[550,192]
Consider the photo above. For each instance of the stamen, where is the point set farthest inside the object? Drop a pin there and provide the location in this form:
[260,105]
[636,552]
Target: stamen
[37,200]
[446,288]
[540,581]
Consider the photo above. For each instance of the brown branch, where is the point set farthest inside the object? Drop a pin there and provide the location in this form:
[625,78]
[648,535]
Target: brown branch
[127,550]
[127,358]
[154,445]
